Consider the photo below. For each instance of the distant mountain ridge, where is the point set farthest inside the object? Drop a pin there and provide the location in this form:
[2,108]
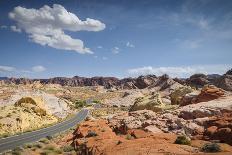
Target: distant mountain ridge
[147,81]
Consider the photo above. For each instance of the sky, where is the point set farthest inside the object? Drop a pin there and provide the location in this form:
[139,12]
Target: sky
[121,38]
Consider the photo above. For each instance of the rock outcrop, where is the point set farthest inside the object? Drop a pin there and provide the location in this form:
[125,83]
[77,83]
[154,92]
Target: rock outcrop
[149,102]
[179,93]
[208,93]
[225,81]
[219,127]
[96,137]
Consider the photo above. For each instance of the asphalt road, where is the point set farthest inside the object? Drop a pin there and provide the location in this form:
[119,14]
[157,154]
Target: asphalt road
[18,140]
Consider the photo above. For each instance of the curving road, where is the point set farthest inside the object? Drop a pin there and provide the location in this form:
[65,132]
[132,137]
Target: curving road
[18,140]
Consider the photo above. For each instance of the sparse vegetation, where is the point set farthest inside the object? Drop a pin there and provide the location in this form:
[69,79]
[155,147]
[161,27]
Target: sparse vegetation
[80,104]
[67,148]
[50,147]
[211,147]
[27,146]
[183,140]
[97,101]
[37,145]
[17,151]
[128,137]
[44,140]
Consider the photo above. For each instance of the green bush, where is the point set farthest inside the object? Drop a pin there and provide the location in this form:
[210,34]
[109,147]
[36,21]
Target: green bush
[49,147]
[80,104]
[58,151]
[67,148]
[183,140]
[27,146]
[45,152]
[44,140]
[128,137]
[17,151]
[211,147]
[96,101]
[49,137]
[37,145]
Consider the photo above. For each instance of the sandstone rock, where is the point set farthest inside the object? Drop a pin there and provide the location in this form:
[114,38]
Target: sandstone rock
[153,129]
[208,93]
[110,144]
[219,127]
[189,98]
[225,82]
[178,94]
[197,80]
[150,102]
[206,109]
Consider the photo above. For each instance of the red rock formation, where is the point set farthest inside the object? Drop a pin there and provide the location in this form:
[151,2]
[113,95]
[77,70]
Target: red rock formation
[105,141]
[219,128]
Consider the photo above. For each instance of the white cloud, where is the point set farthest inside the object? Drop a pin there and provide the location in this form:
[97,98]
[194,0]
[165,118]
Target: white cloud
[15,29]
[180,71]
[6,69]
[46,26]
[100,47]
[115,50]
[38,68]
[128,44]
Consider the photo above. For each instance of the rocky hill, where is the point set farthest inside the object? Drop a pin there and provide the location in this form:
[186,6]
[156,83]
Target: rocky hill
[141,82]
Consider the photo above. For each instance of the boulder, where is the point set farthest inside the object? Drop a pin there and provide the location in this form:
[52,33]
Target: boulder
[150,102]
[197,80]
[219,127]
[208,93]
[179,93]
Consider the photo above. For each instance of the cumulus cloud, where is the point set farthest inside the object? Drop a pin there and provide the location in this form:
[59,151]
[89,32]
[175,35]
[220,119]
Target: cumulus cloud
[180,71]
[15,29]
[46,26]
[6,69]
[115,50]
[128,44]
[38,68]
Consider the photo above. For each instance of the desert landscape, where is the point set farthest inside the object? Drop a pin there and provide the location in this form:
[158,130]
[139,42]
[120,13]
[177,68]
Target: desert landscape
[116,77]
[145,115]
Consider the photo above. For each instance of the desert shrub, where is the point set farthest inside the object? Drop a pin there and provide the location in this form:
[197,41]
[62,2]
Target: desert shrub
[183,140]
[44,140]
[49,137]
[58,151]
[96,101]
[128,137]
[80,104]
[211,147]
[91,134]
[27,146]
[9,115]
[45,152]
[178,93]
[67,148]
[37,145]
[17,151]
[50,147]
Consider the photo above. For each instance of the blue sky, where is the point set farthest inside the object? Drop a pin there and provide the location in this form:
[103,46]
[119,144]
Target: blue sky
[121,38]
